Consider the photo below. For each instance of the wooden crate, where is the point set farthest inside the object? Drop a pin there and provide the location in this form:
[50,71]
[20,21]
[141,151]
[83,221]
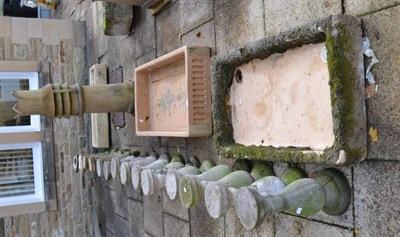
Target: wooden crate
[173,94]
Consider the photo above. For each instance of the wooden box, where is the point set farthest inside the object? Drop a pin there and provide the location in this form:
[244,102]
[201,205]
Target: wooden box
[173,94]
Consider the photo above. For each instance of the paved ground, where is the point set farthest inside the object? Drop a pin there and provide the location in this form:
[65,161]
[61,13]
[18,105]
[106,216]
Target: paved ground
[111,209]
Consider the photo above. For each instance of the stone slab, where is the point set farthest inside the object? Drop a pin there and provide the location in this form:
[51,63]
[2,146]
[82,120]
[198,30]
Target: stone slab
[168,30]
[287,225]
[383,111]
[174,227]
[237,23]
[194,13]
[202,225]
[121,226]
[233,227]
[364,7]
[174,207]
[136,218]
[285,15]
[376,198]
[153,215]
[203,35]
[144,38]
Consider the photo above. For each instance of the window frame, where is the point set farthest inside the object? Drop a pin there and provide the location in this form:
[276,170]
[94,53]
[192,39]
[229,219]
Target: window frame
[33,78]
[39,195]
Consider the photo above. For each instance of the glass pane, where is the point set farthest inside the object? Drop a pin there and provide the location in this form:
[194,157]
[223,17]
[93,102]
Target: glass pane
[7,101]
[16,172]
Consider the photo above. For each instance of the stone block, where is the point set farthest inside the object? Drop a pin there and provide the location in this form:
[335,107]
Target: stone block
[364,7]
[173,142]
[5,26]
[66,30]
[19,28]
[168,30]
[153,215]
[237,23]
[79,33]
[174,227]
[376,194]
[202,225]
[109,209]
[203,148]
[383,112]
[35,28]
[203,35]
[174,207]
[285,15]
[50,32]
[144,32]
[145,58]
[35,49]
[136,218]
[233,227]
[121,226]
[194,13]
[117,18]
[19,52]
[287,225]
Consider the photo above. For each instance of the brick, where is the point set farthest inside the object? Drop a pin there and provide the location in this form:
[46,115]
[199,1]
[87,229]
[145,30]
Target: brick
[35,28]
[237,23]
[19,30]
[287,225]
[376,192]
[383,111]
[285,15]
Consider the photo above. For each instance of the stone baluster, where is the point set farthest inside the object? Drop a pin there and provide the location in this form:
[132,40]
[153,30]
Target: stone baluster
[115,164]
[126,166]
[106,169]
[191,187]
[174,176]
[136,171]
[220,196]
[152,181]
[329,192]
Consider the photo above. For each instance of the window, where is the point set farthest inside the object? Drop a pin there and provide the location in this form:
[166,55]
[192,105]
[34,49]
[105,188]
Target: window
[10,81]
[21,173]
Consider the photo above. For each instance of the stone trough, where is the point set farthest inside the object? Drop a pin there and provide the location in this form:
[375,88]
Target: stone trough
[295,97]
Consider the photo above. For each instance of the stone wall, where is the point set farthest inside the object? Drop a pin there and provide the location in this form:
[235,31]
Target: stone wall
[60,48]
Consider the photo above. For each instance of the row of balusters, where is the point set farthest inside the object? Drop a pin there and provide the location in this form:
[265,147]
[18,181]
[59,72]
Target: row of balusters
[254,192]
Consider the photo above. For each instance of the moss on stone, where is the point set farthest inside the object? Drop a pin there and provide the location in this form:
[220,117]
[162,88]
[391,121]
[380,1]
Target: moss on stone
[292,174]
[206,165]
[178,158]
[260,170]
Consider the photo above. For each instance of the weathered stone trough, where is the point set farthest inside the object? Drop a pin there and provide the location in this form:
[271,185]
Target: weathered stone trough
[277,99]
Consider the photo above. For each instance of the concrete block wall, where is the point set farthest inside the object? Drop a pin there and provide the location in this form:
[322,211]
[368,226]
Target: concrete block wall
[228,25]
